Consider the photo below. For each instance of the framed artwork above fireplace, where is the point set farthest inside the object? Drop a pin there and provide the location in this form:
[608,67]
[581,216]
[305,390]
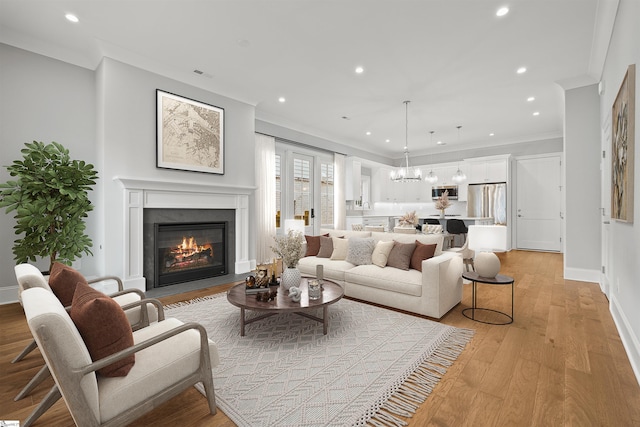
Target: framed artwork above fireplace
[189,133]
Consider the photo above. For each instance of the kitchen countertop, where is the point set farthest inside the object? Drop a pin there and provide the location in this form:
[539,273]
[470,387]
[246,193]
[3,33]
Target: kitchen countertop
[464,218]
[436,216]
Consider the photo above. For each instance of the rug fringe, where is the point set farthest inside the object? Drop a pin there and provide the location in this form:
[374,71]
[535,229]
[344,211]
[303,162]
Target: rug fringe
[405,399]
[193,301]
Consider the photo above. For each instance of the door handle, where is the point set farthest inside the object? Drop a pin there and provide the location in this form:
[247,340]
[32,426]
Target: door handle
[313,215]
[607,222]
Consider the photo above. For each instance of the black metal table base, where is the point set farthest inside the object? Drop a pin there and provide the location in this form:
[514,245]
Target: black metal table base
[498,280]
[473,315]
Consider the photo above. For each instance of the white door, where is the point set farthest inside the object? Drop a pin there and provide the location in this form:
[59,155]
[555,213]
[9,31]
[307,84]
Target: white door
[538,203]
[605,185]
[303,203]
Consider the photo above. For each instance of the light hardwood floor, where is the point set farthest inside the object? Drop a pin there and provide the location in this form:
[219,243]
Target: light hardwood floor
[561,363]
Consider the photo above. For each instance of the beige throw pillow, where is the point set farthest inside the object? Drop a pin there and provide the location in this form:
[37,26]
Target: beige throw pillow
[340,248]
[381,253]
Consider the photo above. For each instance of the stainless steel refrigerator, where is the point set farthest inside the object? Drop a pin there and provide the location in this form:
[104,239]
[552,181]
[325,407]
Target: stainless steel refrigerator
[488,200]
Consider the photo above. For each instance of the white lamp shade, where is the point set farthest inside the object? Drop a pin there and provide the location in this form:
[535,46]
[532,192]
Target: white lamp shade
[486,239]
[293,225]
[491,238]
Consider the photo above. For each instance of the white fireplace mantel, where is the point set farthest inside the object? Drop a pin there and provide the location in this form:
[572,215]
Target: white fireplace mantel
[149,193]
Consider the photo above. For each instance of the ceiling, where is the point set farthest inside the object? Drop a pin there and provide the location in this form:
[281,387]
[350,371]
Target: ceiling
[455,60]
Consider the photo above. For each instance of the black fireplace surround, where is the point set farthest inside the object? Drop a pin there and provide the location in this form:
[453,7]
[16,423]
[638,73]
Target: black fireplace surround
[182,245]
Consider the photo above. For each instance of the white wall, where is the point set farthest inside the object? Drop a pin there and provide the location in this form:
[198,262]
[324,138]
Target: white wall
[106,117]
[582,182]
[624,243]
[45,100]
[127,99]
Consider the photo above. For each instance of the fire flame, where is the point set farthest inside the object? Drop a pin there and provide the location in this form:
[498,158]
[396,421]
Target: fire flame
[188,247]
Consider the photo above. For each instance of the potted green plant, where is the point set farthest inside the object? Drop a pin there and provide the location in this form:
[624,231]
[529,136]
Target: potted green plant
[50,198]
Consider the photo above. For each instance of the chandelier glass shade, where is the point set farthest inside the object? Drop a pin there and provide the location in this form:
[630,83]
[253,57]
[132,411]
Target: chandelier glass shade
[431,177]
[406,173]
[459,175]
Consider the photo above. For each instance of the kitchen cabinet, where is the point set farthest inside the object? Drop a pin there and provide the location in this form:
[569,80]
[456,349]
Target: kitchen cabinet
[445,172]
[382,189]
[487,169]
[353,179]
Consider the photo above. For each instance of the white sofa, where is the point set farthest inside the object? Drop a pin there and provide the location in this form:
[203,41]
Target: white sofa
[432,292]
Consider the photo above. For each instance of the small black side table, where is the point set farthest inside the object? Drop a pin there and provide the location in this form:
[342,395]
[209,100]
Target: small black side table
[475,278]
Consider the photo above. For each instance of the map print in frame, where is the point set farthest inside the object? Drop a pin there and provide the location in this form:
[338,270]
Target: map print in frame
[190,134]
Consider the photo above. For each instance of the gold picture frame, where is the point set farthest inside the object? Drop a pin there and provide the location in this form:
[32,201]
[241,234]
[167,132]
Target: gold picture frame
[190,134]
[622,148]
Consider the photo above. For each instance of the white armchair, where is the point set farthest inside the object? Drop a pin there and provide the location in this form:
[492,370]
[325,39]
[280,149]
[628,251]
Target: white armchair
[467,255]
[170,356]
[140,313]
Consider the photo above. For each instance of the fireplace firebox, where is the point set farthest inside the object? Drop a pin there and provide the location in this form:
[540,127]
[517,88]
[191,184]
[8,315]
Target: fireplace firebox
[189,251]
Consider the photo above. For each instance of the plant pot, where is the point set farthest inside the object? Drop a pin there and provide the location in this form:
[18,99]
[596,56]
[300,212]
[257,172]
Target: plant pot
[291,276]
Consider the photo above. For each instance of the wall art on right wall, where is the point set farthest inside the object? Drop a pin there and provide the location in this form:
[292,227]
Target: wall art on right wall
[622,148]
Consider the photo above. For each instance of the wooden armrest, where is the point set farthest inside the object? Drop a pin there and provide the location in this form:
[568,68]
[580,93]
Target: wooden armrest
[128,291]
[144,317]
[105,278]
[106,361]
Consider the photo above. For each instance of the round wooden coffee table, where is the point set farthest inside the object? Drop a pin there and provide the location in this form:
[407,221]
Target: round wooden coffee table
[331,293]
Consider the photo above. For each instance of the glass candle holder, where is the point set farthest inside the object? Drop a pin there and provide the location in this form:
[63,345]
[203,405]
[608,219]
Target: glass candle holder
[315,292]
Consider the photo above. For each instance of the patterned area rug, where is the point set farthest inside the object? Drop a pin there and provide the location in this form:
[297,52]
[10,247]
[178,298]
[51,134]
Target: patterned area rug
[373,364]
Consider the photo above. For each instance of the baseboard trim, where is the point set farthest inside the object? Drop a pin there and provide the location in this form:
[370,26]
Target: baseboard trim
[582,275]
[629,340]
[8,295]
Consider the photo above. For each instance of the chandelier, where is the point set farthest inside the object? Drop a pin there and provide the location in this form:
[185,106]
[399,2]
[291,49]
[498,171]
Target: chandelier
[406,173]
[459,176]
[431,177]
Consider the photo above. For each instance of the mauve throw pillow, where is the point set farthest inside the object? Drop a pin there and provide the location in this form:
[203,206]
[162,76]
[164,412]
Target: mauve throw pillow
[104,328]
[421,253]
[326,247]
[63,280]
[400,255]
[313,245]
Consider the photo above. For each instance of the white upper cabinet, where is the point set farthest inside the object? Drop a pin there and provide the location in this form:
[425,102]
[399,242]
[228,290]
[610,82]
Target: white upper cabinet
[478,170]
[353,179]
[487,169]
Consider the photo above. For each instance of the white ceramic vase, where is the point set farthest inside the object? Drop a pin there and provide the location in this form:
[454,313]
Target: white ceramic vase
[291,276]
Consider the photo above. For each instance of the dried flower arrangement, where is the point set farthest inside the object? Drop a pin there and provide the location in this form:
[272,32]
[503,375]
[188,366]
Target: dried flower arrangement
[289,248]
[410,218]
[443,201]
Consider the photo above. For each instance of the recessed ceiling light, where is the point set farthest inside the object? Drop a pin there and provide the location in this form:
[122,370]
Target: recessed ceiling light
[537,113]
[71,17]
[531,99]
[368,133]
[359,70]
[491,134]
[502,11]
[281,99]
[387,140]
[440,143]
[521,70]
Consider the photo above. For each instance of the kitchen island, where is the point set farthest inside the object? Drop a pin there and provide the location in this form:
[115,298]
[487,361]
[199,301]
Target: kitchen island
[468,220]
